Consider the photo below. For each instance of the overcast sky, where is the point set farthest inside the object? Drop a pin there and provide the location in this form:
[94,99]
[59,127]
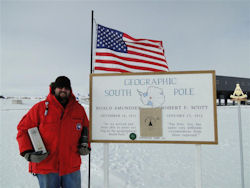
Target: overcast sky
[41,40]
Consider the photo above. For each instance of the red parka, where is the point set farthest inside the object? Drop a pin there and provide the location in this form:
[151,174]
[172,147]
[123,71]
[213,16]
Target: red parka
[60,130]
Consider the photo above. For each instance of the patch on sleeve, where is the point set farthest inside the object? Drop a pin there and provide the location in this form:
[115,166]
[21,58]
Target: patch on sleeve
[78,126]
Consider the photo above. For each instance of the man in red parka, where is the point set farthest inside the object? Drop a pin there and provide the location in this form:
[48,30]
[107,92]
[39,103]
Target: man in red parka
[61,121]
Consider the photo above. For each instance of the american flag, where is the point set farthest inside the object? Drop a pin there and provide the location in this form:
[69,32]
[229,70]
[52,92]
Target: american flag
[118,52]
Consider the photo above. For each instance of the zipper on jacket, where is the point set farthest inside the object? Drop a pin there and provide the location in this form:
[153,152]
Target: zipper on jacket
[62,115]
[59,141]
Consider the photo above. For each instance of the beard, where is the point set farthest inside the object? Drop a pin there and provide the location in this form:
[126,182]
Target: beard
[62,97]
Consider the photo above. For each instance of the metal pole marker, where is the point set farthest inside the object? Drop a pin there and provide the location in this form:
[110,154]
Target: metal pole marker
[239,96]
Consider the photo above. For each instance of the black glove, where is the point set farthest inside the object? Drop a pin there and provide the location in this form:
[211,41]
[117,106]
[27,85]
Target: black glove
[35,157]
[83,149]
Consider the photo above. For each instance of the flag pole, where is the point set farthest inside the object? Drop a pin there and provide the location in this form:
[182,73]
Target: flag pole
[91,70]
[91,51]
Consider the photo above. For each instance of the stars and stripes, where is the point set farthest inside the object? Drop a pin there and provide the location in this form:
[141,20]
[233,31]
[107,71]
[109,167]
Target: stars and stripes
[118,52]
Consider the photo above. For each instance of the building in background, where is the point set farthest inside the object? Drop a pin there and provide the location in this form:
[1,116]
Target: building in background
[225,86]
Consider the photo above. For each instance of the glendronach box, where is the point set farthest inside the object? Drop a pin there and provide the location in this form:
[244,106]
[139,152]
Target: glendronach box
[36,140]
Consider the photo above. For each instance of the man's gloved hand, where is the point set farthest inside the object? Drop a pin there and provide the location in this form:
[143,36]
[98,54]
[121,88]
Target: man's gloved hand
[35,157]
[83,149]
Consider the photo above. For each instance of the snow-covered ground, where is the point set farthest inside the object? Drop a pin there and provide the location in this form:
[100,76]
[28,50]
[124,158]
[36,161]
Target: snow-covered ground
[140,165]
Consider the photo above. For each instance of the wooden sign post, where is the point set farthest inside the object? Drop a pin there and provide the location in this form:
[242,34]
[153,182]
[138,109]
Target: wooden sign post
[159,107]
[169,107]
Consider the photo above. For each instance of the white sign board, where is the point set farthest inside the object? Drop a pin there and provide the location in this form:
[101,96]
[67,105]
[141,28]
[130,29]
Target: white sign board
[169,107]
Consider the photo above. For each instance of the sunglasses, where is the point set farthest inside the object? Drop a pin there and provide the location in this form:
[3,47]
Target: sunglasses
[60,87]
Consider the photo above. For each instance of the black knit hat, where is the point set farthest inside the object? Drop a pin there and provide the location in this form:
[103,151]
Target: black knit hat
[62,81]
